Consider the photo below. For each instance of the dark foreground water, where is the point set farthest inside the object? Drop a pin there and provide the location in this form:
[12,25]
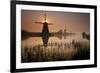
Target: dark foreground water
[71,48]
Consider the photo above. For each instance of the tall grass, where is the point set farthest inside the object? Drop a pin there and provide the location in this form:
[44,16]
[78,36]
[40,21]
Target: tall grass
[83,50]
[56,52]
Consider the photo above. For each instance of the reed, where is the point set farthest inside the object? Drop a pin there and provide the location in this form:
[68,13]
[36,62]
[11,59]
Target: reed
[56,52]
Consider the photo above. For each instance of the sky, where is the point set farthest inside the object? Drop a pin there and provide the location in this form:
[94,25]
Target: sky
[74,22]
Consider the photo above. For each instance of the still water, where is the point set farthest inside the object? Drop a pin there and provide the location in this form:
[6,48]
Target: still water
[74,47]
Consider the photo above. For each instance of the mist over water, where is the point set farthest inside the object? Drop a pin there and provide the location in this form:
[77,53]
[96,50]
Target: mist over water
[56,50]
[32,41]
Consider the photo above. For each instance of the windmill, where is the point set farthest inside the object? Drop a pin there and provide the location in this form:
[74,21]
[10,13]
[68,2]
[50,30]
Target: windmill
[65,31]
[45,30]
[45,34]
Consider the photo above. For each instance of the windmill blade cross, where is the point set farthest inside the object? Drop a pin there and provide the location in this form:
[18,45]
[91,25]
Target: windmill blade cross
[39,22]
[50,23]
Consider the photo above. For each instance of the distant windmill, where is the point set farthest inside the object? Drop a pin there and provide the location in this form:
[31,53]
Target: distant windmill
[65,31]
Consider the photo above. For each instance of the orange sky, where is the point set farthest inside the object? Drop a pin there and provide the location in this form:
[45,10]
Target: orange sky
[75,22]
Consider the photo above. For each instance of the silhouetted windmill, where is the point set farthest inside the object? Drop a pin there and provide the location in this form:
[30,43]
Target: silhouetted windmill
[45,34]
[65,31]
[45,30]
[45,24]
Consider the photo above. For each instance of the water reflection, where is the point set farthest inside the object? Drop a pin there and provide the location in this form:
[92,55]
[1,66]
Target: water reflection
[74,47]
